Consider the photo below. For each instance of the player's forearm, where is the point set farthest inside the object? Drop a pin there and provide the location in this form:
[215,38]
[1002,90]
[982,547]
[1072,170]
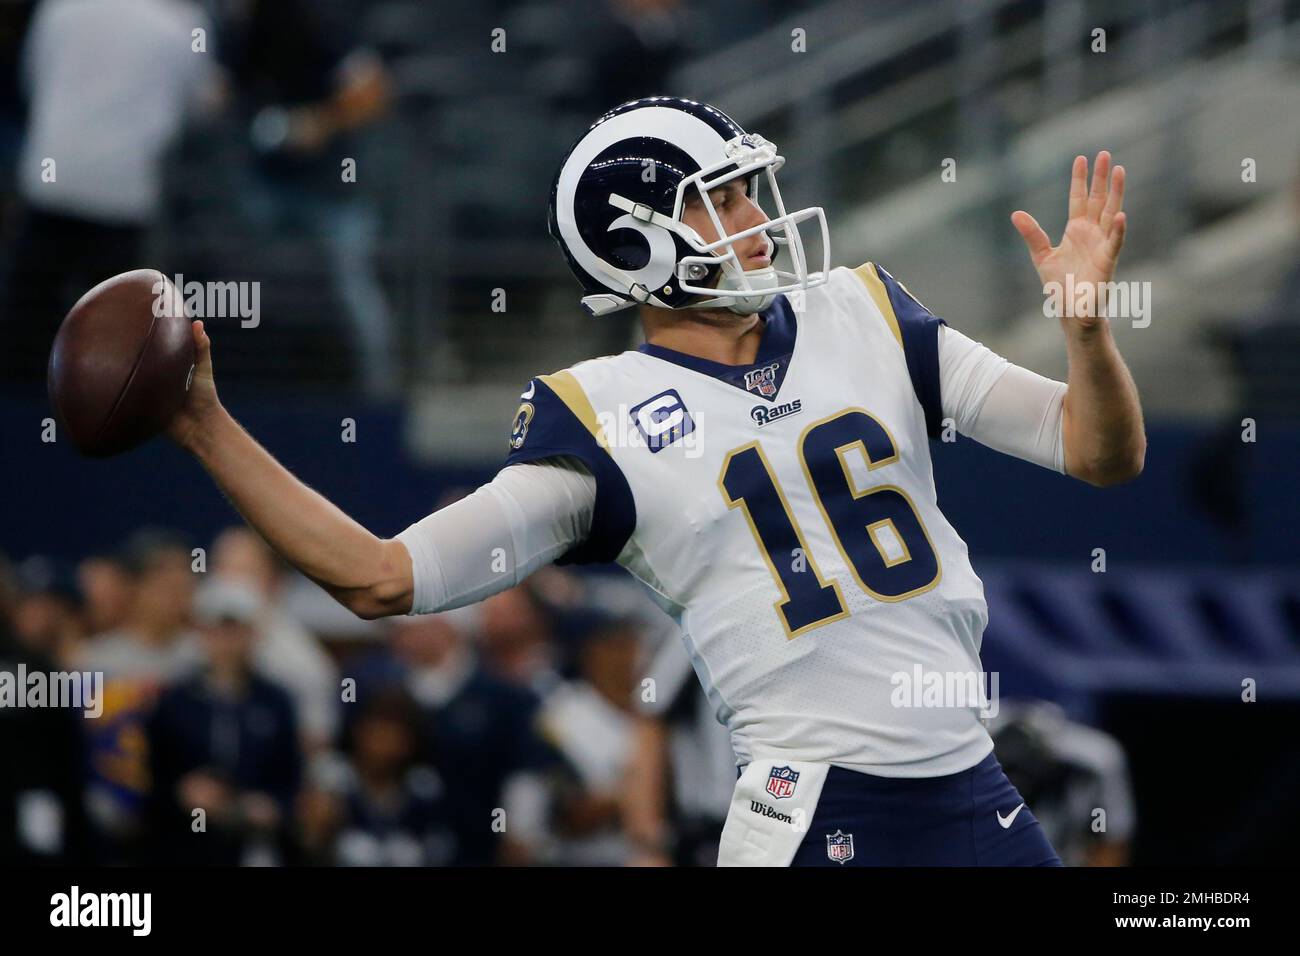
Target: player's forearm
[366,574]
[1105,441]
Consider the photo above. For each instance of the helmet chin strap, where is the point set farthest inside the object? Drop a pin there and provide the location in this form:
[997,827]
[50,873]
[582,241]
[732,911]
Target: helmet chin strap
[757,280]
[733,280]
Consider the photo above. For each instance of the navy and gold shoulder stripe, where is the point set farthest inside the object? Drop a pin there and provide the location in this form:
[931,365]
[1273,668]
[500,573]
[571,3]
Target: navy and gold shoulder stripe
[916,330]
[555,419]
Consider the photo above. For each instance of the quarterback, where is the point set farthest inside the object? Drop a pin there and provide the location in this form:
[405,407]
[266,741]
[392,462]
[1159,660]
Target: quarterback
[761,465]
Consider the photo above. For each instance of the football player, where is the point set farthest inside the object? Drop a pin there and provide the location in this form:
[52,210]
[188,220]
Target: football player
[761,464]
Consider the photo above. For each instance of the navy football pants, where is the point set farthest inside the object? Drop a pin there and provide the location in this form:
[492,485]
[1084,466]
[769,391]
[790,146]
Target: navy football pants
[957,820]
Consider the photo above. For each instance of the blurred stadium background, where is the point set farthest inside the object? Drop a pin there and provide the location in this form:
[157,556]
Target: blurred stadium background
[417,300]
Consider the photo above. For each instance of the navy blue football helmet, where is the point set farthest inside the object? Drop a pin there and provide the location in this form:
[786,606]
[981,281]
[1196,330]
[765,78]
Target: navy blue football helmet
[617,201]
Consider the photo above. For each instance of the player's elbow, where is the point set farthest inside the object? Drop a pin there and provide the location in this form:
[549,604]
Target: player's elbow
[1118,469]
[389,589]
[1136,462]
[370,603]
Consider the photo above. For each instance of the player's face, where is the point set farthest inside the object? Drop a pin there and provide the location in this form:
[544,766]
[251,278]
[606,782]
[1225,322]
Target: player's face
[737,212]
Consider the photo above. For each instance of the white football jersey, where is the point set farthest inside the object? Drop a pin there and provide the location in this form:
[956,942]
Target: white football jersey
[785,514]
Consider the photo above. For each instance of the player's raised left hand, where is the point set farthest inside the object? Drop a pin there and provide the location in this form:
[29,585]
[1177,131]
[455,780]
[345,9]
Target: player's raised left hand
[1089,248]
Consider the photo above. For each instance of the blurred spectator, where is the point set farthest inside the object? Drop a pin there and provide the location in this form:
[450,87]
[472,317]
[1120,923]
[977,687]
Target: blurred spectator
[477,732]
[110,83]
[106,591]
[224,741]
[8,588]
[286,652]
[682,770]
[388,809]
[589,721]
[46,619]
[15,17]
[516,641]
[1067,772]
[41,815]
[305,89]
[152,646]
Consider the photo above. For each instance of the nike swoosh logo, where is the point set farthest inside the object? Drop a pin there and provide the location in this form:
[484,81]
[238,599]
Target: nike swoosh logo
[1008,820]
[532,387]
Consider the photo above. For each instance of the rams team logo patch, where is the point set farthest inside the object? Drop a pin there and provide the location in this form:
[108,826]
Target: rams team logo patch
[662,420]
[519,430]
[839,846]
[781,782]
[766,414]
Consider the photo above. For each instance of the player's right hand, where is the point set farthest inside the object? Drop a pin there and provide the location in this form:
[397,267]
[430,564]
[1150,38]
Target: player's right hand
[201,402]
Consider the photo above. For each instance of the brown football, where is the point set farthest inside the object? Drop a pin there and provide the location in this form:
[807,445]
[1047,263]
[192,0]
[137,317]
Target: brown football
[121,363]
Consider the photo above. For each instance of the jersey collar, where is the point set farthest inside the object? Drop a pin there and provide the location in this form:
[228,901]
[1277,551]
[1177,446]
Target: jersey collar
[775,349]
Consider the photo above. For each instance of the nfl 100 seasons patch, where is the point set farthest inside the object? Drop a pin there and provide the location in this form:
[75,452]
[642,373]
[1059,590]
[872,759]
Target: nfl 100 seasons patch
[763,380]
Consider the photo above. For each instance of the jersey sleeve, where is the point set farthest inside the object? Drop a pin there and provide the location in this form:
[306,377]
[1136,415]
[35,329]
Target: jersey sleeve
[968,371]
[555,419]
[917,330]
[527,516]
[1008,408]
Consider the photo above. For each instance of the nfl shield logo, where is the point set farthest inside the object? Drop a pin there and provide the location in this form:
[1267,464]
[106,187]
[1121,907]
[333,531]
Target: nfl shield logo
[839,846]
[762,380]
[781,782]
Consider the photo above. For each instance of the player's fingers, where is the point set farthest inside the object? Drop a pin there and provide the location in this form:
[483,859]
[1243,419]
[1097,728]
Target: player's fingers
[202,344]
[1078,186]
[1114,200]
[1115,239]
[1100,186]
[1029,229]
